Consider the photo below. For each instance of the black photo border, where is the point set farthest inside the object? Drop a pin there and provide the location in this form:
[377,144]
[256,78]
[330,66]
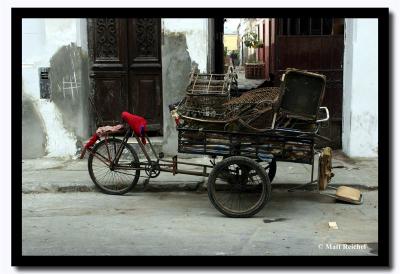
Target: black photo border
[385,221]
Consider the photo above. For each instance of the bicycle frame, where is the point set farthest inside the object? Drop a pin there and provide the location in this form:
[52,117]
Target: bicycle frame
[166,165]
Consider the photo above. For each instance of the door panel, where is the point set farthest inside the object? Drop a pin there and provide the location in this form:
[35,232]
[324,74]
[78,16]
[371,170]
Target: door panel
[110,97]
[145,98]
[108,60]
[109,43]
[144,41]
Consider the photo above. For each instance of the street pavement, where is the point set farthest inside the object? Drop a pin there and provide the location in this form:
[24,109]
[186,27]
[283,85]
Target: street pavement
[64,214]
[186,223]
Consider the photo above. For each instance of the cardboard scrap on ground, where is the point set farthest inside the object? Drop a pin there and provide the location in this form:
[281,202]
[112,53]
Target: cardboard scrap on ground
[348,193]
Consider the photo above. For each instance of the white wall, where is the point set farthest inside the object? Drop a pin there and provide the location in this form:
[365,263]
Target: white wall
[41,38]
[196,31]
[360,88]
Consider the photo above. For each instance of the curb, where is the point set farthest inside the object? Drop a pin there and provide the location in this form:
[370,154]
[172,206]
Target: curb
[170,187]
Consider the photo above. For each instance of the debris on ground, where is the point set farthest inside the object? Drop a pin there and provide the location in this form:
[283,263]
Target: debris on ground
[333,225]
[274,220]
[349,194]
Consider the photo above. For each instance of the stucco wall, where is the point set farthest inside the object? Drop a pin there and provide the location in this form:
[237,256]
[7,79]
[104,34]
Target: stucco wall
[360,88]
[196,33]
[185,42]
[41,40]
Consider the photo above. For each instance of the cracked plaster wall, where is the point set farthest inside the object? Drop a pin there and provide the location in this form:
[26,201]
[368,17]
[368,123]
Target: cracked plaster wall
[184,44]
[61,44]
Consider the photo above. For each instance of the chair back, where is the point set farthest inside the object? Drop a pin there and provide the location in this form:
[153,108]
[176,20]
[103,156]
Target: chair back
[301,94]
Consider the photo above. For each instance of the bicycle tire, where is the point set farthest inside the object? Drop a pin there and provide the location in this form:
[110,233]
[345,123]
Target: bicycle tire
[112,186]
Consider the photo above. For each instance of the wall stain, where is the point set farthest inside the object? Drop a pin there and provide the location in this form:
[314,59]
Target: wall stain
[34,137]
[69,82]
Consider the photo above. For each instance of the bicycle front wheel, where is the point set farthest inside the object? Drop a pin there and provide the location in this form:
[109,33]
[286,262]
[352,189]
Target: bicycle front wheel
[117,179]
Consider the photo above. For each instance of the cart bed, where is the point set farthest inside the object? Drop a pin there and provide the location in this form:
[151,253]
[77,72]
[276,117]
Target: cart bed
[284,145]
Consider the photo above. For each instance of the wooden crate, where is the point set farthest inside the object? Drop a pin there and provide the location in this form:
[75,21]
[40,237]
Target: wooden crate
[255,70]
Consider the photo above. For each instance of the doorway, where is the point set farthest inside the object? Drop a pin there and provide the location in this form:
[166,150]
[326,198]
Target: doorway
[245,41]
[125,69]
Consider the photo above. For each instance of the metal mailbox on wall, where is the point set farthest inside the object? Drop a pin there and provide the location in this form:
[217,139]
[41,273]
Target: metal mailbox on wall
[44,82]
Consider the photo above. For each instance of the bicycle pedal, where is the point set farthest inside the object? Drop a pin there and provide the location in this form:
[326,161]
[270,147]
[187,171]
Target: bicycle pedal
[146,182]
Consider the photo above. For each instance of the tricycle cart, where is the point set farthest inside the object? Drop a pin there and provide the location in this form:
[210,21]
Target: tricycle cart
[242,158]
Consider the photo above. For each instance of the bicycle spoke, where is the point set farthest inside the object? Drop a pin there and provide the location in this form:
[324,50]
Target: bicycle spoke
[120,172]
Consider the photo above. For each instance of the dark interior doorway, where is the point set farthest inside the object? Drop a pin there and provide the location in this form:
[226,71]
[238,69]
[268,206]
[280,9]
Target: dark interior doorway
[219,45]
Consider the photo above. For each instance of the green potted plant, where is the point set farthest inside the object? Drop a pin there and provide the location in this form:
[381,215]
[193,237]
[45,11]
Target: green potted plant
[253,68]
[250,40]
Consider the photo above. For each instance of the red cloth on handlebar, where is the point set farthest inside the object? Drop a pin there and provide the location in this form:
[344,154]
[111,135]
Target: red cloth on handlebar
[137,123]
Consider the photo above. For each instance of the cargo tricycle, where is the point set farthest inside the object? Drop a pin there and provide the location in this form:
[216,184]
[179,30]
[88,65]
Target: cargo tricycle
[243,136]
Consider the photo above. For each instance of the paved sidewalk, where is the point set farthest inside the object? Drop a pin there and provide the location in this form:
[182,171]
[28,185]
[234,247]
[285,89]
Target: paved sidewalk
[70,175]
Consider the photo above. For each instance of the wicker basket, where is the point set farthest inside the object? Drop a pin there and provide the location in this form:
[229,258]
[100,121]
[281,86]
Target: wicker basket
[206,95]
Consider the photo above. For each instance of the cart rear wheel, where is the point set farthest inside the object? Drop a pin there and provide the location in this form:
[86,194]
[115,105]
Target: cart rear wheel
[116,180]
[238,187]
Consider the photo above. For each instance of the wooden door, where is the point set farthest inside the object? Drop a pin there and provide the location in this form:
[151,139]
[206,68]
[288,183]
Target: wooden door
[108,72]
[125,57]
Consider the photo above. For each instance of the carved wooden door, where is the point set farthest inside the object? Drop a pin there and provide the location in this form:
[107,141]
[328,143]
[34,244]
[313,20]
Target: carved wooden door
[126,68]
